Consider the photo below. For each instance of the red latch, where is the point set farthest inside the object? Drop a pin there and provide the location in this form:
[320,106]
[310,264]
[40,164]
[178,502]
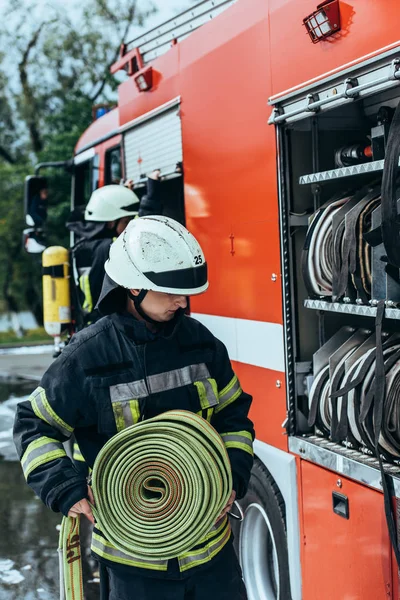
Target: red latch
[324,21]
[131,61]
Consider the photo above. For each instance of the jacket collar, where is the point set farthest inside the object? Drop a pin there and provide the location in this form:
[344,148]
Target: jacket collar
[139,332]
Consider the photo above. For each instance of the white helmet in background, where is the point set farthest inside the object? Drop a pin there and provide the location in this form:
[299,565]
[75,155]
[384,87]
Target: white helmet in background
[157,253]
[111,202]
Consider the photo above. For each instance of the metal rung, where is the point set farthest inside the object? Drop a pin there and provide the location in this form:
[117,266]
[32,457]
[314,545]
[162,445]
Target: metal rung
[363,81]
[157,41]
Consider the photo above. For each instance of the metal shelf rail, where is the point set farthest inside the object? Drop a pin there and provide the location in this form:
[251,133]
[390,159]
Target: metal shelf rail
[351,309]
[363,169]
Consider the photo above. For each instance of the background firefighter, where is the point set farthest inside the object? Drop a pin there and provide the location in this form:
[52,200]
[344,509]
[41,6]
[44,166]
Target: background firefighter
[107,213]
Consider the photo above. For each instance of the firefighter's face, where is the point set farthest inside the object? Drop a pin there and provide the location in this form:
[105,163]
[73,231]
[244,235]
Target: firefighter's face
[161,307]
[122,224]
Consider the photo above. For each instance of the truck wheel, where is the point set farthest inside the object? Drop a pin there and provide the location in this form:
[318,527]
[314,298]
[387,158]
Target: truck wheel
[260,540]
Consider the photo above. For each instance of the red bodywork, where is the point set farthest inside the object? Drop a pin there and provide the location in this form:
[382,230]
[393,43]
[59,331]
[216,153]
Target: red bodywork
[224,74]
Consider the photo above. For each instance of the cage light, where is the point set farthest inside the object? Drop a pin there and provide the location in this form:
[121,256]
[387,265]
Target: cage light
[324,21]
[144,79]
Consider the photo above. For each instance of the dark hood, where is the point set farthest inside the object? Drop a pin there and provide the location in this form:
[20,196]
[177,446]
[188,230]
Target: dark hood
[88,230]
[112,297]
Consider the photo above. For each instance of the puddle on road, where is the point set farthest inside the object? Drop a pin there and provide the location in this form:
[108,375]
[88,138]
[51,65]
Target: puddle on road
[28,530]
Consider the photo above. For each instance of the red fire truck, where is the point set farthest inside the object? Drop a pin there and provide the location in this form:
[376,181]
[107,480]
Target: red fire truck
[281,112]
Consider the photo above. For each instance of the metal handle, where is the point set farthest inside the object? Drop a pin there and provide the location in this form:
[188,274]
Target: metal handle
[240,516]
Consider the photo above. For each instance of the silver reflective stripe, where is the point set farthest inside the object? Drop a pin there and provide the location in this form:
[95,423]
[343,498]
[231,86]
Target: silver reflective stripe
[127,391]
[199,557]
[84,271]
[241,442]
[39,452]
[127,414]
[44,411]
[177,378]
[212,398]
[237,438]
[229,393]
[103,548]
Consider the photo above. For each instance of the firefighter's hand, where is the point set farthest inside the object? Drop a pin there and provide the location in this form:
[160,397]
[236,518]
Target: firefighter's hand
[83,507]
[129,184]
[156,174]
[228,506]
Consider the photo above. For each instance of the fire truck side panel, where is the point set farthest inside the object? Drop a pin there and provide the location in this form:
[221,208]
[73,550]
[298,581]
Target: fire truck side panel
[366,27]
[232,208]
[284,468]
[263,385]
[346,559]
[105,126]
[133,104]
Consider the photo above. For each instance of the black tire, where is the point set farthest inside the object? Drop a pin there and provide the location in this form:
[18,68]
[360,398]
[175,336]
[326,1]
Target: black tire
[264,492]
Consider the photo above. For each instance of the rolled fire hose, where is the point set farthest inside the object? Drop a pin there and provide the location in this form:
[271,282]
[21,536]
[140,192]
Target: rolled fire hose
[159,487]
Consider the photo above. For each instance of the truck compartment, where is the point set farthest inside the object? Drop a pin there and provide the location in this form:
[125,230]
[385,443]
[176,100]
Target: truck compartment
[331,168]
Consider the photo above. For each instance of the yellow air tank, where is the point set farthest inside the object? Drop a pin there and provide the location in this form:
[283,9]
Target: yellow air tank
[56,292]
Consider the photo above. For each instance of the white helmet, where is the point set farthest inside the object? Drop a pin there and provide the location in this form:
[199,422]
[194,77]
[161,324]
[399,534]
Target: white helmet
[157,253]
[111,202]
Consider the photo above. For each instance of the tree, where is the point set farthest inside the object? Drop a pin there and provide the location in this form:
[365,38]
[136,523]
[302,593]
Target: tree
[54,65]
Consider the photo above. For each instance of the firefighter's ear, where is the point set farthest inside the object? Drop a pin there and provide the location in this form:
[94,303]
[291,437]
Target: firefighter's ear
[135,292]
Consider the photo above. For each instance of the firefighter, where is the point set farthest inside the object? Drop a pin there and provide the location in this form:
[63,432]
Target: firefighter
[152,202]
[144,337]
[107,213]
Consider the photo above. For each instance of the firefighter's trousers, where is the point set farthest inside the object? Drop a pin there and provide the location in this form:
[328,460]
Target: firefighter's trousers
[222,580]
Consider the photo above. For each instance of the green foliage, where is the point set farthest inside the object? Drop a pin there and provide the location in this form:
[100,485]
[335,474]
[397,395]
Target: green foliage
[30,336]
[58,69]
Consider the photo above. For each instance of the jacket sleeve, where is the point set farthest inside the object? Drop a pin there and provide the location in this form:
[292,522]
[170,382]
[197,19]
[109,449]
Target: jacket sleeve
[96,275]
[42,424]
[151,203]
[231,421]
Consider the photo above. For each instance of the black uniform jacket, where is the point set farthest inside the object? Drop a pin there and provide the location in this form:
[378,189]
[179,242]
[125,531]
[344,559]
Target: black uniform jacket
[87,388]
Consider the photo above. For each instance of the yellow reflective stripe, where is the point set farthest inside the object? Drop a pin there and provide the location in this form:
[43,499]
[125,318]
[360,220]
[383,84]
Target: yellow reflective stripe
[210,412]
[85,287]
[39,452]
[103,548]
[245,434]
[240,446]
[135,410]
[208,392]
[228,387]
[229,394]
[203,555]
[242,440]
[77,455]
[214,531]
[126,413]
[42,409]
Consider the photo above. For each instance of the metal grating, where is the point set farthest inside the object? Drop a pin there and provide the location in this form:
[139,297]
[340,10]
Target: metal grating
[157,41]
[154,144]
[370,167]
[350,309]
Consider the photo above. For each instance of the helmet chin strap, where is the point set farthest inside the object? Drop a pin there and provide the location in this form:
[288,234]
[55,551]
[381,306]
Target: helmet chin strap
[137,301]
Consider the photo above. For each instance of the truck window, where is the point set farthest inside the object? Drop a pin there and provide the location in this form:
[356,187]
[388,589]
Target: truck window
[85,175]
[113,166]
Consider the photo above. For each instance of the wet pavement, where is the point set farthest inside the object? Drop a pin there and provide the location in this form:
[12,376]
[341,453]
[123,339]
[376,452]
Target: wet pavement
[28,530]
[25,363]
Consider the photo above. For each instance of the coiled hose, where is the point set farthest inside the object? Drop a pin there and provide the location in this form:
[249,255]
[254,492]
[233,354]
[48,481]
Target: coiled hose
[159,487]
